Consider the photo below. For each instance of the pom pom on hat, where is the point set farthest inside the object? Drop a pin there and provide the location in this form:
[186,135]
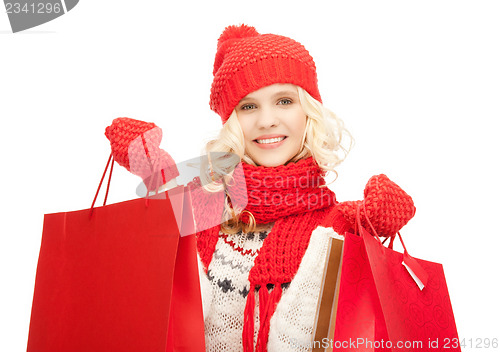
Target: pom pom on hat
[236,32]
[247,61]
[227,38]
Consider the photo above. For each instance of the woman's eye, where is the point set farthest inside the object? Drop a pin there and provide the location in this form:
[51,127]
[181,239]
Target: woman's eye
[247,107]
[285,101]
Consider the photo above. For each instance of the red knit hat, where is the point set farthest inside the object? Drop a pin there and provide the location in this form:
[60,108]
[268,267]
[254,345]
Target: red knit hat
[247,61]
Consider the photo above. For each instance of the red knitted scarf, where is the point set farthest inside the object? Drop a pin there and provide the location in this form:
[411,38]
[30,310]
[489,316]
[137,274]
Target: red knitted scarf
[290,196]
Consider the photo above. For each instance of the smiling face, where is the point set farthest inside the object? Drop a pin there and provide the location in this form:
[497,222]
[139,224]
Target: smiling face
[273,124]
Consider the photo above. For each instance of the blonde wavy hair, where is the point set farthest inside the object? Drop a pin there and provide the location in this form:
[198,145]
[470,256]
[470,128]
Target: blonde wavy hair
[324,139]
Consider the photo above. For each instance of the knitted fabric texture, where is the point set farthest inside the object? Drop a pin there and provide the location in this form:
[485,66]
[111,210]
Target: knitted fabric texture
[291,196]
[273,193]
[387,206]
[226,285]
[292,325]
[228,279]
[135,146]
[247,61]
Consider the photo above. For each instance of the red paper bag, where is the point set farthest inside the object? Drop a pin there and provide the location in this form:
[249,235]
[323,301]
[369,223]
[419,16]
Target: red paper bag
[116,280]
[381,307]
[186,327]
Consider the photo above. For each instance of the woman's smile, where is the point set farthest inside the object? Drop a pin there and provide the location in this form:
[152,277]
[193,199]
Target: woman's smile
[270,142]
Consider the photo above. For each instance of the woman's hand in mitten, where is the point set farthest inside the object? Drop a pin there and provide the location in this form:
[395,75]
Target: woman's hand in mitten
[387,207]
[135,145]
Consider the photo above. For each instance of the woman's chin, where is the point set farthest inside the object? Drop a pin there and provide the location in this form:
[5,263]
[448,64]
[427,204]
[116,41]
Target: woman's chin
[268,160]
[271,157]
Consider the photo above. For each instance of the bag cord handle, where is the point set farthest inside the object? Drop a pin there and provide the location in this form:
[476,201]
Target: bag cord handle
[153,166]
[358,221]
[375,234]
[110,160]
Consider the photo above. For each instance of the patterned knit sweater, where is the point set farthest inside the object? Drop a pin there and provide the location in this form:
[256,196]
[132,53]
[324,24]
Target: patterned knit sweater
[225,287]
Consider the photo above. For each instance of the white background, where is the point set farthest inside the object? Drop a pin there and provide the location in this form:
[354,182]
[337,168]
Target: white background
[417,84]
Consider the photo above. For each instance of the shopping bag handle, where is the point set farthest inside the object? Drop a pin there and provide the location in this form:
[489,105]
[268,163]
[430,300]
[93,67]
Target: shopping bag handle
[375,234]
[418,274]
[112,161]
[358,221]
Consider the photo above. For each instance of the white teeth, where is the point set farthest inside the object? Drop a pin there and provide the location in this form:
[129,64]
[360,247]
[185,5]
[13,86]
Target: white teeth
[271,140]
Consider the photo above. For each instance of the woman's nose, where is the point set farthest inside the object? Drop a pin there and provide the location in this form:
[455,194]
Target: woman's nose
[267,118]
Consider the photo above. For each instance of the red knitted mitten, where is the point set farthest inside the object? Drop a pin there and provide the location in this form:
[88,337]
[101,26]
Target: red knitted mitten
[135,146]
[387,206]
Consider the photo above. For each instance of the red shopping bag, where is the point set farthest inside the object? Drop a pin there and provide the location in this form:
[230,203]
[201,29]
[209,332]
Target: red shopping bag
[186,326]
[107,279]
[382,308]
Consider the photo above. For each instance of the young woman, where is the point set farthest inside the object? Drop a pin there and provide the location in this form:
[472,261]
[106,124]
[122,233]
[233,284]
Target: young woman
[262,268]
